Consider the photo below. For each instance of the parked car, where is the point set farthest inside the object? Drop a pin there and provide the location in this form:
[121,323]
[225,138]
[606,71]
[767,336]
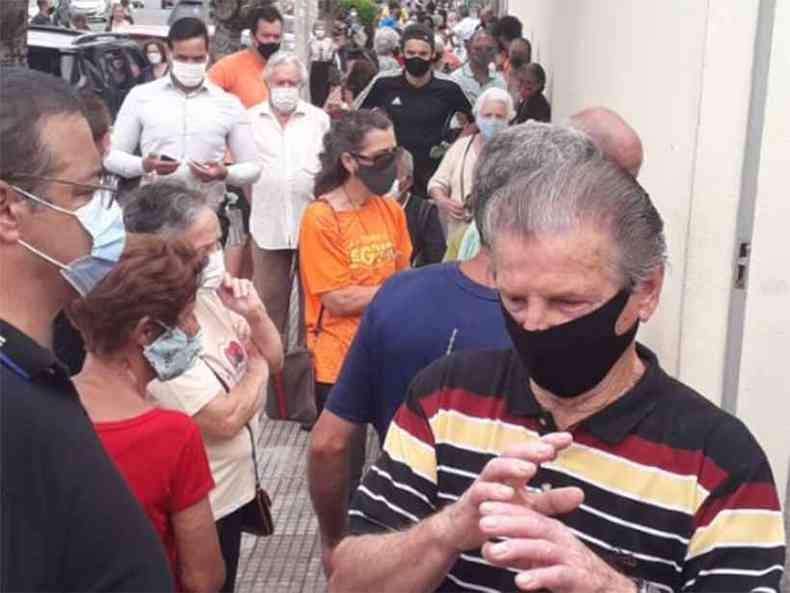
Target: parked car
[109,63]
[94,10]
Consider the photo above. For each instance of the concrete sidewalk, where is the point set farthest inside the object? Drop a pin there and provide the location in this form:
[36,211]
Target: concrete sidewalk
[290,560]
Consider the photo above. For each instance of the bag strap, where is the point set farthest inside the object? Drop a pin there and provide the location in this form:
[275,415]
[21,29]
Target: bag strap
[322,309]
[301,338]
[254,457]
[226,387]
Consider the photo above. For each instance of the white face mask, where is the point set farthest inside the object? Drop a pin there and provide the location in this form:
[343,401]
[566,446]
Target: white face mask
[320,34]
[394,191]
[214,272]
[284,98]
[189,74]
[154,57]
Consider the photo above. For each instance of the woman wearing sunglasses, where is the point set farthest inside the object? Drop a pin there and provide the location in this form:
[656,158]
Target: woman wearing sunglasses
[352,239]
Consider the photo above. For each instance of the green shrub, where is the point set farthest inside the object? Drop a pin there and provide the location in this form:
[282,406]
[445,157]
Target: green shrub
[366,9]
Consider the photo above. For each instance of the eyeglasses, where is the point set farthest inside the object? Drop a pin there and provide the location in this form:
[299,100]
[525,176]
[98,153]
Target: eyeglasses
[381,161]
[105,193]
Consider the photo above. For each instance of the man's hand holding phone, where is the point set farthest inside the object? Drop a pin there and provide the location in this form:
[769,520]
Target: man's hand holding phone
[160,163]
[208,171]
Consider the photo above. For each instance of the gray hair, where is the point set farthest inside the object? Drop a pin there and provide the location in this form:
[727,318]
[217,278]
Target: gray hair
[574,185]
[284,58]
[495,94]
[163,208]
[519,151]
[386,41]
[407,160]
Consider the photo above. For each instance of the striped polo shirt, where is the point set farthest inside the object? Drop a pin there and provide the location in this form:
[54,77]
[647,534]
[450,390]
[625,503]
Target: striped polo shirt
[677,491]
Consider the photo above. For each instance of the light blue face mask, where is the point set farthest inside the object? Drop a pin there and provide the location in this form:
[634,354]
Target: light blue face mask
[173,353]
[105,226]
[489,126]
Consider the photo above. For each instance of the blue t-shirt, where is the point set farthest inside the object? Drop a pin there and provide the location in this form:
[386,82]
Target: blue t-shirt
[415,318]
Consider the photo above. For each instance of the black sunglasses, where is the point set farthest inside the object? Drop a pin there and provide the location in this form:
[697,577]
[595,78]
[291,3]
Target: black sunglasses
[380,161]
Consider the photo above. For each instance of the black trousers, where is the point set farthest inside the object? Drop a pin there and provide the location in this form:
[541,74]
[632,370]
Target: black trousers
[358,442]
[229,531]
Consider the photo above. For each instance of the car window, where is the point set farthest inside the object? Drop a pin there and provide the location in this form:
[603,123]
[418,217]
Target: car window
[141,67]
[116,66]
[93,74]
[44,59]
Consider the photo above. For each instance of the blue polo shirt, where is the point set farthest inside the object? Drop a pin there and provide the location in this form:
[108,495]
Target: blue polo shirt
[415,318]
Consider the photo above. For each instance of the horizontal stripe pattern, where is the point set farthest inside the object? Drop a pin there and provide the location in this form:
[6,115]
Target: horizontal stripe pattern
[684,500]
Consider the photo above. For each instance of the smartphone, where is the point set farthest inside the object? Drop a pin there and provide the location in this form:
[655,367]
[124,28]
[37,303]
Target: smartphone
[199,166]
[169,159]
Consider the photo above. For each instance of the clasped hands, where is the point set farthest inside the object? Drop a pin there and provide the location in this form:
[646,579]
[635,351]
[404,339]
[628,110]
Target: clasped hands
[499,507]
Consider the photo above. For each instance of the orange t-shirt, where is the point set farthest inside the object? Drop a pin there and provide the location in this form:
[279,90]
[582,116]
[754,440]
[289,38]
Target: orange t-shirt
[241,74]
[360,247]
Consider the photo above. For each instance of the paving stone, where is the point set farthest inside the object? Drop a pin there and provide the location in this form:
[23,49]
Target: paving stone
[290,560]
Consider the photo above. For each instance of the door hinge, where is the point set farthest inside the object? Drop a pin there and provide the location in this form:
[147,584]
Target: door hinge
[742,264]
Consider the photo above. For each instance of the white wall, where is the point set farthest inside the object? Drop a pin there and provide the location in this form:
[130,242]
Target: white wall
[680,73]
[595,53]
[764,390]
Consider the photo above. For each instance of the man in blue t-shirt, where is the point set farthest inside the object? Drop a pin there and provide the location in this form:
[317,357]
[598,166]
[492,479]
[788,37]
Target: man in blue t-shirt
[417,317]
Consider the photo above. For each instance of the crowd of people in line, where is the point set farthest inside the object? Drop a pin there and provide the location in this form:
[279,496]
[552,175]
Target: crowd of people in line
[470,281]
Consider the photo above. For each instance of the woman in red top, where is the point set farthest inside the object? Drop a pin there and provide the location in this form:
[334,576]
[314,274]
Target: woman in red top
[137,325]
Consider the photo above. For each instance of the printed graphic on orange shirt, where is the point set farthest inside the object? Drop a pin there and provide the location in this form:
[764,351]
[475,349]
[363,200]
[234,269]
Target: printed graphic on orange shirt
[371,251]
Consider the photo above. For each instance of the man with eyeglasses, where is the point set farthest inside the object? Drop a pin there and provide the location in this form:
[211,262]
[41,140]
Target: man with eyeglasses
[419,101]
[69,522]
[182,123]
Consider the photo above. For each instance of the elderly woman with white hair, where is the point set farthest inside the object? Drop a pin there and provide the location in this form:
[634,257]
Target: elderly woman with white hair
[386,43]
[451,185]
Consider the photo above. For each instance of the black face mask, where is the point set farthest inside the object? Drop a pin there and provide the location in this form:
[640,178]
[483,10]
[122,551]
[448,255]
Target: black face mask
[570,359]
[417,66]
[267,50]
[378,180]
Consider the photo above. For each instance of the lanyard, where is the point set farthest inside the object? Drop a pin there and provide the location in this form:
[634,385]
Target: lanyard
[12,366]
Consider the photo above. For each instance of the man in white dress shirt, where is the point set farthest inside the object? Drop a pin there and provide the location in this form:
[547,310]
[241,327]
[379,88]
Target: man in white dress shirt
[288,134]
[182,124]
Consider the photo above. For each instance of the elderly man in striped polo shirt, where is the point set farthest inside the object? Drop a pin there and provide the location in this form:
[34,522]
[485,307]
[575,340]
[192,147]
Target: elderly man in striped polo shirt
[572,462]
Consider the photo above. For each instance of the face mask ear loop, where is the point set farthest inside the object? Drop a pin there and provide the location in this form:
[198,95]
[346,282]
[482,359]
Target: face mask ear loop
[42,255]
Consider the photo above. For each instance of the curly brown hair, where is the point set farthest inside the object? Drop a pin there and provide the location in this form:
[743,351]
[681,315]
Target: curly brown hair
[154,278]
